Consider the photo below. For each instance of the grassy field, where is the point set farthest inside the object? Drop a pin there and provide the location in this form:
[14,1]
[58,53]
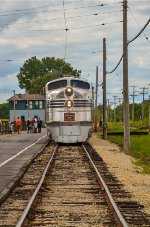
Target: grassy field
[140,146]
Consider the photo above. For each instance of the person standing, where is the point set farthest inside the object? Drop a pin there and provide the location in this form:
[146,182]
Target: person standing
[39,125]
[28,126]
[18,124]
[35,124]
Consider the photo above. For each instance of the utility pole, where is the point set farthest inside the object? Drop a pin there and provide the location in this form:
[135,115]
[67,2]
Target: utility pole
[92,104]
[104,91]
[96,95]
[119,100]
[133,95]
[125,82]
[143,93]
[115,107]
[111,104]
[149,116]
[14,105]
[108,110]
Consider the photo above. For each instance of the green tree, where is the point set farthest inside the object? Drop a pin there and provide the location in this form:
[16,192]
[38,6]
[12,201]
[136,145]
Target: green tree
[137,111]
[35,73]
[4,111]
[38,84]
[100,112]
[31,69]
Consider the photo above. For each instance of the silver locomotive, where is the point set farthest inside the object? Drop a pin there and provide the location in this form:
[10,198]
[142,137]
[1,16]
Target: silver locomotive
[69,110]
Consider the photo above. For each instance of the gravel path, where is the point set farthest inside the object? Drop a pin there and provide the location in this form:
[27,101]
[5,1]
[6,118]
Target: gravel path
[121,165]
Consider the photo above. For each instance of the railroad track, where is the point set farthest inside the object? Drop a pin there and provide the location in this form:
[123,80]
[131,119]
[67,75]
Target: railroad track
[70,193]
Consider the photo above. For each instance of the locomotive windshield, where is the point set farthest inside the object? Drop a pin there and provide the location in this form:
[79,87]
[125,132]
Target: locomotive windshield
[57,84]
[80,84]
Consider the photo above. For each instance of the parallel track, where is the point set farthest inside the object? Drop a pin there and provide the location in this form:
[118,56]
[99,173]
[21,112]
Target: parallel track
[71,192]
[71,195]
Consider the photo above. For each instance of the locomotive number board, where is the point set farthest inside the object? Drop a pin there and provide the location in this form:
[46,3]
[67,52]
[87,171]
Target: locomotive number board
[69,116]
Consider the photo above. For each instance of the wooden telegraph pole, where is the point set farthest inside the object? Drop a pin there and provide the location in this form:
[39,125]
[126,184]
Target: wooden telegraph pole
[104,91]
[115,107]
[143,93]
[96,95]
[133,95]
[125,82]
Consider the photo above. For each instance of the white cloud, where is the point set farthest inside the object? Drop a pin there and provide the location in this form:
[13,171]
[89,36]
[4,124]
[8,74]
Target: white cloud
[18,41]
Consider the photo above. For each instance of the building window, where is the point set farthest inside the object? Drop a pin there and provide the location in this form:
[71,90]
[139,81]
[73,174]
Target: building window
[40,105]
[36,105]
[30,105]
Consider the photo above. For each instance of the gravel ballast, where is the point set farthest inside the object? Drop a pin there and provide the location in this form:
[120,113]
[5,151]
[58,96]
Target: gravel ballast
[122,166]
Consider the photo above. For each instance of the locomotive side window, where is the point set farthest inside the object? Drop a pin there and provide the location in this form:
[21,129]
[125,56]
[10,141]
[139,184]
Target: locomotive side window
[57,84]
[80,84]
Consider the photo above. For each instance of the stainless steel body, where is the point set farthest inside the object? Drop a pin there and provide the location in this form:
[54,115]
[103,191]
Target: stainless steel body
[69,116]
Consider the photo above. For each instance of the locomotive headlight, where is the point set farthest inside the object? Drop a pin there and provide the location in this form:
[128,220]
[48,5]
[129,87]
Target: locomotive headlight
[69,91]
[69,103]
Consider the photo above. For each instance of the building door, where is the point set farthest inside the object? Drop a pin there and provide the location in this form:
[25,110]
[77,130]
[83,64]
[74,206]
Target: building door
[23,118]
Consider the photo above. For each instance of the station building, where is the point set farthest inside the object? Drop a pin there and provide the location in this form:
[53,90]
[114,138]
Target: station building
[26,106]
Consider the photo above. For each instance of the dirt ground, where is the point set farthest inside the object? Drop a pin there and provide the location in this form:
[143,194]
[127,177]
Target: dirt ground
[122,166]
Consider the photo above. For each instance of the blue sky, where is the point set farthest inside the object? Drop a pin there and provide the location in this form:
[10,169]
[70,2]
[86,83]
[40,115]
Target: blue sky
[37,28]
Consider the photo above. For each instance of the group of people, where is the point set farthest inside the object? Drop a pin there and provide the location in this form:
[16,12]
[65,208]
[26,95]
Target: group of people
[0,126]
[34,125]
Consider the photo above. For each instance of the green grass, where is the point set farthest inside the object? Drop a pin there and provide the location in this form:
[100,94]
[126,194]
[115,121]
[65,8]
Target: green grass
[118,127]
[140,147]
[145,166]
[116,139]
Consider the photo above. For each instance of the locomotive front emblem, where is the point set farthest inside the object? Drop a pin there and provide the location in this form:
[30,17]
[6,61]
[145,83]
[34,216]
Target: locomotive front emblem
[69,117]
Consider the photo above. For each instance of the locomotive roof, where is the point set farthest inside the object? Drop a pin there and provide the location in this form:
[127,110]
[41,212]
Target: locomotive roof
[68,78]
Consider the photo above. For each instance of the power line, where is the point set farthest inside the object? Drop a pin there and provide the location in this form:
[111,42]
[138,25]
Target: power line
[38,7]
[139,32]
[73,56]
[5,90]
[129,43]
[66,29]
[62,29]
[138,23]
[81,27]
[57,4]
[133,95]
[19,10]
[143,93]
[90,53]
[114,72]
[60,18]
[116,66]
[6,60]
[96,25]
[57,10]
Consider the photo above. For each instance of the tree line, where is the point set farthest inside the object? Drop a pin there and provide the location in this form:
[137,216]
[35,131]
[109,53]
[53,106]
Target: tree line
[116,114]
[35,73]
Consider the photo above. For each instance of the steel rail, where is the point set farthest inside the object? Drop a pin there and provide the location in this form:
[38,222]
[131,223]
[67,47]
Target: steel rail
[120,217]
[26,210]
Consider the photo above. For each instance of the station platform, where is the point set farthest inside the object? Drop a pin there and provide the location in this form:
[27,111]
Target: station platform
[16,152]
